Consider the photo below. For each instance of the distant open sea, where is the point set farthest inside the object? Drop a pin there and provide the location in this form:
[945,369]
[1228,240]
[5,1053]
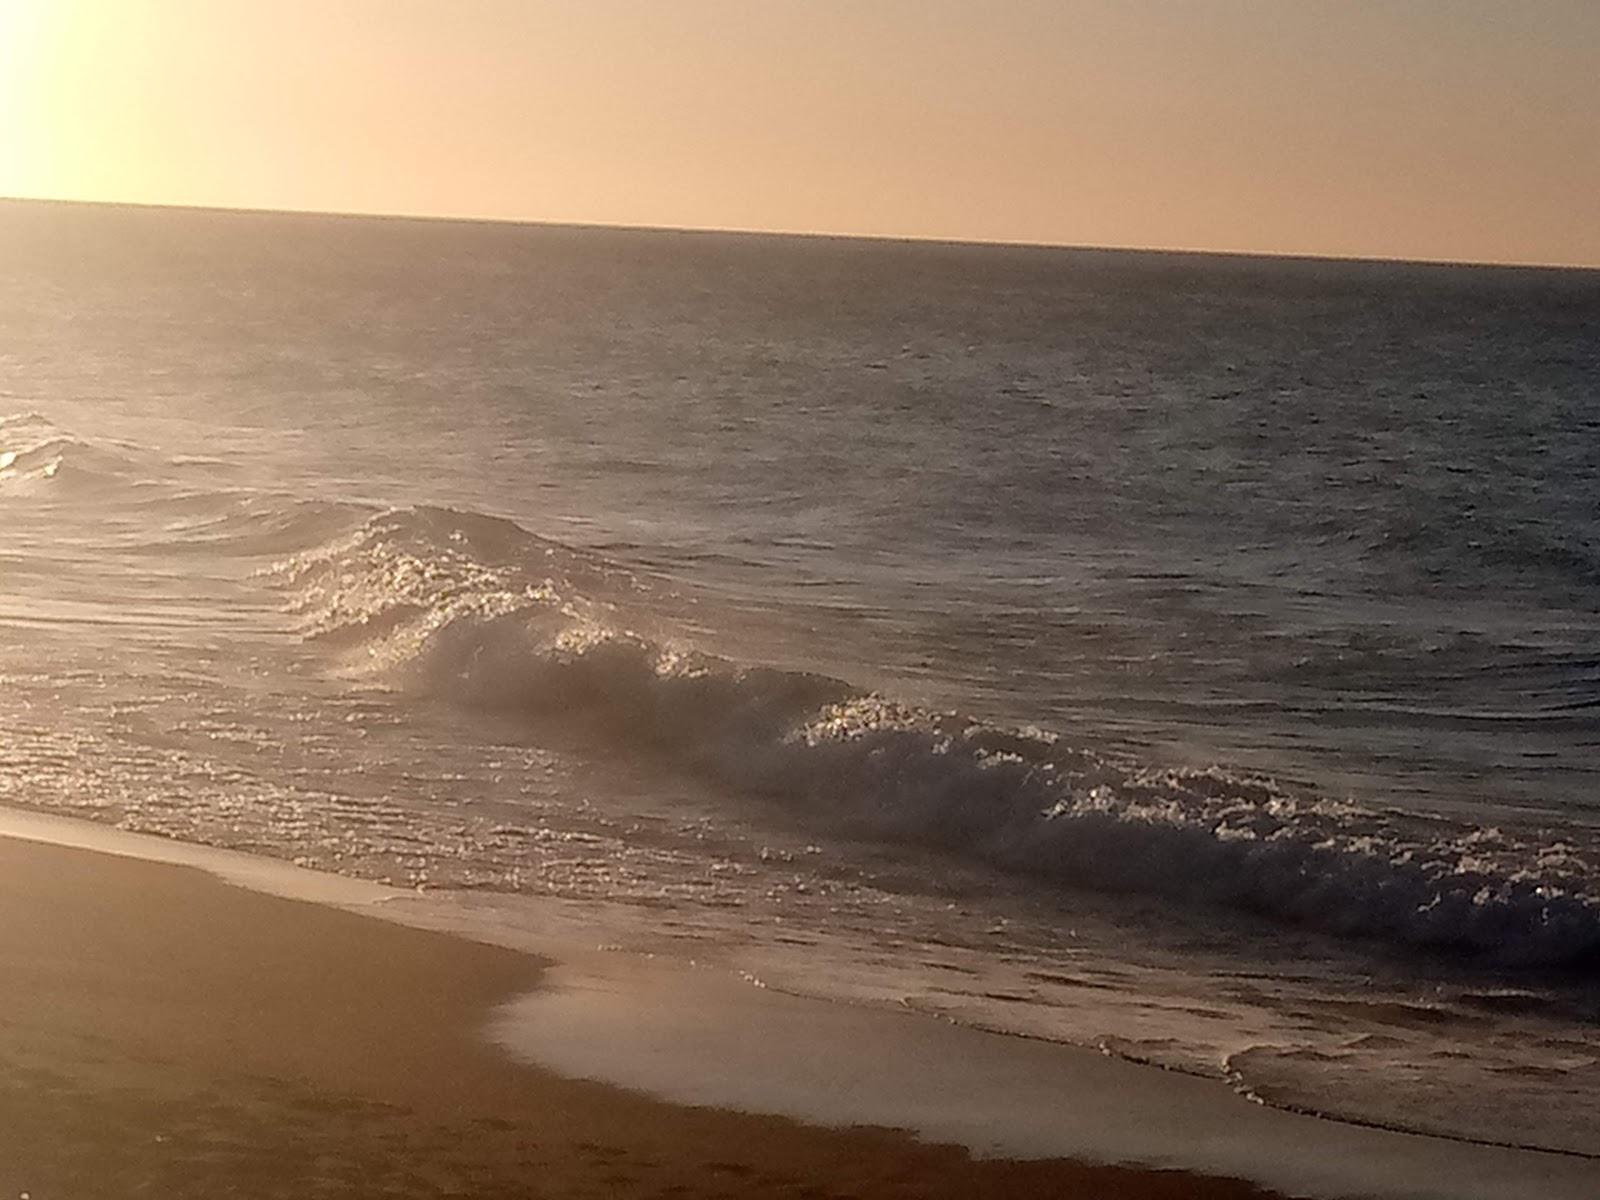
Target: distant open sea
[1192,656]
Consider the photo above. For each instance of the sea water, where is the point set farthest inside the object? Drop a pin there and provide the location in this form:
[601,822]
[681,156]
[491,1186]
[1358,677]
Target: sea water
[1196,657]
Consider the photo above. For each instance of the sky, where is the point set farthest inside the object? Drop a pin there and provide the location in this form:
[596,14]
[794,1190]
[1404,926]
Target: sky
[1432,129]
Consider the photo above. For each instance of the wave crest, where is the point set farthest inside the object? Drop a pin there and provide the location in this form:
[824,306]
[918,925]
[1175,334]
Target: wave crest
[482,613]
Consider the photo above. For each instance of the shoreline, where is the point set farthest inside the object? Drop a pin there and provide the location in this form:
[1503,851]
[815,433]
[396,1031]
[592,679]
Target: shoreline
[163,1031]
[352,994]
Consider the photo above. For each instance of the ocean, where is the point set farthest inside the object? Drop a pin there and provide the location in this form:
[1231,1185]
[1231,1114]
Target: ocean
[1191,656]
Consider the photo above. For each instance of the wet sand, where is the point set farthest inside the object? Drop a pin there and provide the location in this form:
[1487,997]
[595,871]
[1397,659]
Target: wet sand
[163,1033]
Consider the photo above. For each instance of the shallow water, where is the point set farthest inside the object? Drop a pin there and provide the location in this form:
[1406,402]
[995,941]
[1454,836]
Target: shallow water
[1190,656]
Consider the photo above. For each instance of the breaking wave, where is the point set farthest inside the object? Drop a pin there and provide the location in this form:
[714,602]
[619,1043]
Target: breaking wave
[197,509]
[33,452]
[477,611]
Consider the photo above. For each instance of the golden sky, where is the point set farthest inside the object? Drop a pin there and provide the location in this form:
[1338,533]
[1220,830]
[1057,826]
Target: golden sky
[1451,129]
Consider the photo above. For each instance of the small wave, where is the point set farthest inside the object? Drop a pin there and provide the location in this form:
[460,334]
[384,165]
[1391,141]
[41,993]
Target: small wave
[36,455]
[1543,1100]
[193,504]
[10,423]
[478,611]
[58,459]
[247,524]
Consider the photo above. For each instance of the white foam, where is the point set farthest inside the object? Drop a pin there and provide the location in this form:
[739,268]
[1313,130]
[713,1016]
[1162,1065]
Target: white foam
[699,1037]
[475,610]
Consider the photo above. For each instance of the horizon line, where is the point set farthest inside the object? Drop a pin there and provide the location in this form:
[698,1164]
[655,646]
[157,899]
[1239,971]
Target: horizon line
[811,234]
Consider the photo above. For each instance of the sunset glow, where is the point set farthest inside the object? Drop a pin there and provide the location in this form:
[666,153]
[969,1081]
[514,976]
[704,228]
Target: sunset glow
[939,599]
[1422,129]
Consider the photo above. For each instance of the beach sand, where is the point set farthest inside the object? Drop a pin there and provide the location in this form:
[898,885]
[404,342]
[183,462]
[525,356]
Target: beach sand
[163,1033]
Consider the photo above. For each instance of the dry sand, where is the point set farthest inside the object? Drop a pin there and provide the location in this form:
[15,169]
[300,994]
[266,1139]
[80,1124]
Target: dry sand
[165,1034]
